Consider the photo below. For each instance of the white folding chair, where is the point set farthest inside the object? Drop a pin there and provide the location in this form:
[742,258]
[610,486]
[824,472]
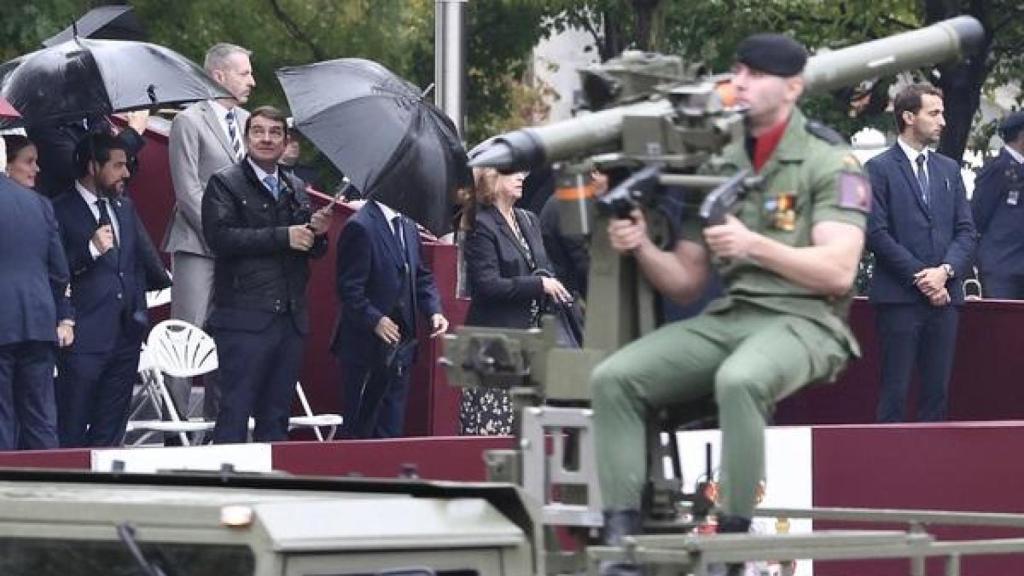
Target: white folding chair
[157,298]
[314,421]
[178,349]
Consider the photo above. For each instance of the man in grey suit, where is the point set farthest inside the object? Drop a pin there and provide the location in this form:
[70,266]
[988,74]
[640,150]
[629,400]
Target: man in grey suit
[205,138]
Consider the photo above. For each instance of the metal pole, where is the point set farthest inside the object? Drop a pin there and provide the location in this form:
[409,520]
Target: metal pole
[449,59]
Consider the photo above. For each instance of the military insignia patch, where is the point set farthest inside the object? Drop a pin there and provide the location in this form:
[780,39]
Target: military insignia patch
[854,191]
[782,210]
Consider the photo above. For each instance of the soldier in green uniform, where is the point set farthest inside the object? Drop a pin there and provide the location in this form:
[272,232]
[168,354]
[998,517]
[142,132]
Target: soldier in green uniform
[788,259]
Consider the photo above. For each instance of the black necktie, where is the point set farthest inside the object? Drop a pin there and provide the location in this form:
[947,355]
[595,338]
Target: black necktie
[101,205]
[396,227]
[922,178]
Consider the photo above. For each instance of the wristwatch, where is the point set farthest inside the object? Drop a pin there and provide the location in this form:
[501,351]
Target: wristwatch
[949,270]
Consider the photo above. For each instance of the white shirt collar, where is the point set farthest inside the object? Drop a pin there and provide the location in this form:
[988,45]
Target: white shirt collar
[911,153]
[86,194]
[1014,154]
[260,173]
[221,110]
[389,214]
[90,200]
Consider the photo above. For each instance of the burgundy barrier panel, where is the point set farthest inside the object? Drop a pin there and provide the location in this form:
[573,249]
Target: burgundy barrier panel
[438,458]
[72,458]
[432,406]
[989,363]
[956,467]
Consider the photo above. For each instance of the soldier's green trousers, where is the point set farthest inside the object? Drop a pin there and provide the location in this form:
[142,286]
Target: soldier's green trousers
[748,357]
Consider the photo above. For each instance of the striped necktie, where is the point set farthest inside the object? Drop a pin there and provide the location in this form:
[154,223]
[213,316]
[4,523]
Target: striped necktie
[236,142]
[922,178]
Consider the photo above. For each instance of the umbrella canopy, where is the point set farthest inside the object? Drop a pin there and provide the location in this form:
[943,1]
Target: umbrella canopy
[84,78]
[393,145]
[106,22]
[6,110]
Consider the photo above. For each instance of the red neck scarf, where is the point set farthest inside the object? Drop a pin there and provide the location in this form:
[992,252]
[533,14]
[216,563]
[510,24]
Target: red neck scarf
[766,144]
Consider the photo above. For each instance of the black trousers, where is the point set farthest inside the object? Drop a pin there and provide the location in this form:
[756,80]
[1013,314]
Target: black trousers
[94,391]
[375,395]
[915,335]
[258,371]
[28,413]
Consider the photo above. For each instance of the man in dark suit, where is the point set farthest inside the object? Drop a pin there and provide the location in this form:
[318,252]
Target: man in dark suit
[383,285]
[258,222]
[998,207]
[923,238]
[31,302]
[100,237]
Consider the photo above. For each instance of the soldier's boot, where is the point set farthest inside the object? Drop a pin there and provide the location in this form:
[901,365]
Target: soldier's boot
[733,525]
[617,525]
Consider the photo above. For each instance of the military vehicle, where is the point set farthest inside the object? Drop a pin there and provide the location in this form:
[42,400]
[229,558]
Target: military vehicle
[228,524]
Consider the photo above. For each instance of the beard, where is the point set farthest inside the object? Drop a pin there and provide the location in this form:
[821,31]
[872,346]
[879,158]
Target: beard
[112,191]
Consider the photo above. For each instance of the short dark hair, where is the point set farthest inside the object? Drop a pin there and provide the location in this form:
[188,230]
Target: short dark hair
[909,100]
[270,113]
[95,147]
[15,143]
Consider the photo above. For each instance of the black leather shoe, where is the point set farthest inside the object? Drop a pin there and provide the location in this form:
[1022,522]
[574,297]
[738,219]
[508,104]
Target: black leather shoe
[733,525]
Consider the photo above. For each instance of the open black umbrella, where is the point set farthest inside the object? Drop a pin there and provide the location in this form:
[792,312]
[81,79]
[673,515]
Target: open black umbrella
[394,145]
[104,22]
[87,78]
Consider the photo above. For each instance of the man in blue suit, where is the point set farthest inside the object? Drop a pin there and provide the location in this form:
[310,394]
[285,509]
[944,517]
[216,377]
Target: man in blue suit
[31,302]
[100,237]
[998,206]
[383,285]
[923,238]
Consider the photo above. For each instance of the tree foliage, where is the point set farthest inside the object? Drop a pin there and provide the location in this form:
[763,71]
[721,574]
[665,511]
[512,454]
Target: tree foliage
[709,30]
[397,33]
[501,34]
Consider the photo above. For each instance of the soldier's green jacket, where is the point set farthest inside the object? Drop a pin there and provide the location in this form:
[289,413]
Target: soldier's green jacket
[807,180]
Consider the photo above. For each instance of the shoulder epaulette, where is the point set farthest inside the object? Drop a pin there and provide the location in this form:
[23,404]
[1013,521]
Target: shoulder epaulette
[823,132]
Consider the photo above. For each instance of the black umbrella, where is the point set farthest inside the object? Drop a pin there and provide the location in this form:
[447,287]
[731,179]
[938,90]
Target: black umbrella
[394,145]
[105,22]
[87,78]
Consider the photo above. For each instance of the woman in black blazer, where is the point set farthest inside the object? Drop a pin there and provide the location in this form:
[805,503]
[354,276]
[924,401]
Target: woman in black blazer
[503,250]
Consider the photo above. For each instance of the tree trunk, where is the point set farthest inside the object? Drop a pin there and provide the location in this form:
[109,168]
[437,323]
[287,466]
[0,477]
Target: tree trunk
[643,11]
[614,41]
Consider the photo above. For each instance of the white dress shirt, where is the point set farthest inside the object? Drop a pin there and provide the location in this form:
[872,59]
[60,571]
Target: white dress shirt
[90,201]
[261,175]
[912,154]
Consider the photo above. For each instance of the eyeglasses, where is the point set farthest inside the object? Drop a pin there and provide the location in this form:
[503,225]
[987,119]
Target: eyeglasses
[272,133]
